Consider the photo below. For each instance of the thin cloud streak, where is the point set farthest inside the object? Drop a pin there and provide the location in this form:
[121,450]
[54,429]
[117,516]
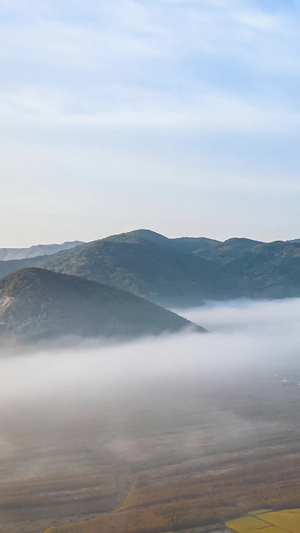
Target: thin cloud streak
[207,113]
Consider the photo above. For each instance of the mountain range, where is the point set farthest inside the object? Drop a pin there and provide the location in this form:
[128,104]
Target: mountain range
[109,287]
[180,272]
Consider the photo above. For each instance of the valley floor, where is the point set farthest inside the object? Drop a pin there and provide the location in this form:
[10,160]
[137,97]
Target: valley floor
[171,459]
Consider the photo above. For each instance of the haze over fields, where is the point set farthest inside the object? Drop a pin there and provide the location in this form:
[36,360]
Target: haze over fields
[245,336]
[69,411]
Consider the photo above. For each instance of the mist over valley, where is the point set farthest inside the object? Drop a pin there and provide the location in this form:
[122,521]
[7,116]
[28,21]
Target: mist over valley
[168,432]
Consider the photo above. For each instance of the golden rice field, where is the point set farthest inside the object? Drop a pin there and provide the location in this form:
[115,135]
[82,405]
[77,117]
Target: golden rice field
[267,521]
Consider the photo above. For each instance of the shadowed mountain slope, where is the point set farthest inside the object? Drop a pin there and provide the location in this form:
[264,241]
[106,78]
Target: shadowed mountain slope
[37,303]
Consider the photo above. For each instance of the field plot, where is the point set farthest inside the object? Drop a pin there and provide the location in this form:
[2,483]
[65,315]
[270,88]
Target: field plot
[268,522]
[245,525]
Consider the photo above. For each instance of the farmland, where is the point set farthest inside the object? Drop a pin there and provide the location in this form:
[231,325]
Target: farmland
[275,522]
[184,457]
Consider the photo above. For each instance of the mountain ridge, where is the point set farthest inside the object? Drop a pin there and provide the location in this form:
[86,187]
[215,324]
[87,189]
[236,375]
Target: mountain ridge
[180,272]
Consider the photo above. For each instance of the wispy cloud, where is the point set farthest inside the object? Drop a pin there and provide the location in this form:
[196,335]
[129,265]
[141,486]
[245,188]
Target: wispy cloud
[176,51]
[204,112]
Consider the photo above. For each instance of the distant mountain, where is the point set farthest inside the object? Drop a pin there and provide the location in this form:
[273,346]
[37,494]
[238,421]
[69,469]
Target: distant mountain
[7,267]
[187,271]
[9,254]
[180,272]
[146,264]
[37,303]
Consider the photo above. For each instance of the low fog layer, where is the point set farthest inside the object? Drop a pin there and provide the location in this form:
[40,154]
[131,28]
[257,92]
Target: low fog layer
[245,337]
[66,411]
[249,316]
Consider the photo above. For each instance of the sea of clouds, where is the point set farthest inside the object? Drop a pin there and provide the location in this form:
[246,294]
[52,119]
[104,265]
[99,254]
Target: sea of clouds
[243,336]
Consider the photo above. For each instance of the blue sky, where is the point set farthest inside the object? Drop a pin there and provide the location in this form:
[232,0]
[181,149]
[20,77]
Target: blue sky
[182,116]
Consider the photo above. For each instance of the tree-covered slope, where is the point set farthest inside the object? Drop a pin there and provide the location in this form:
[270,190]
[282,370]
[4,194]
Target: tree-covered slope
[7,267]
[268,270]
[228,250]
[186,271]
[180,272]
[152,268]
[38,303]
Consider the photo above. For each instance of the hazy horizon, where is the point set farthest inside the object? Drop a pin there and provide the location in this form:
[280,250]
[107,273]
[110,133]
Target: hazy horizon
[177,236]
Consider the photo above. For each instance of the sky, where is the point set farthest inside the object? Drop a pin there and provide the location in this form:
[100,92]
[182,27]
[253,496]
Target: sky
[181,116]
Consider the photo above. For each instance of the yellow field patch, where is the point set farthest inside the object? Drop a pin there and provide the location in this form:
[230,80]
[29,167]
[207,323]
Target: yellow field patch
[287,521]
[259,511]
[247,524]
[269,529]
